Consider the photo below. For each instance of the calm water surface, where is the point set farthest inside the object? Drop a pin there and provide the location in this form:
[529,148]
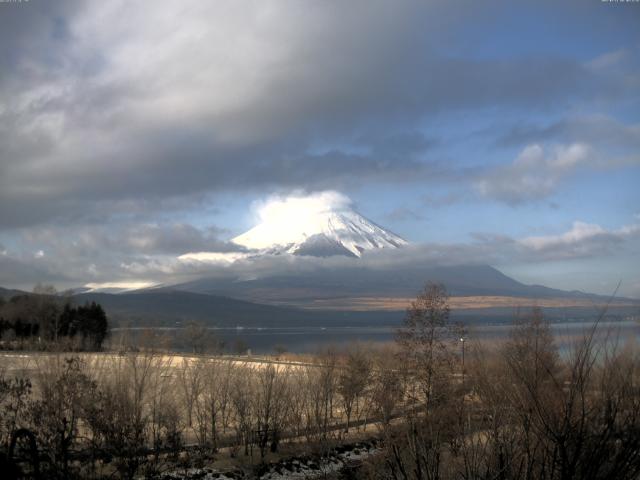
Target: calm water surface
[312,339]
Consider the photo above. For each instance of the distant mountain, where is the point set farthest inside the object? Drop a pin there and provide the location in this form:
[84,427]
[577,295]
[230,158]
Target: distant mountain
[7,293]
[463,280]
[170,307]
[167,307]
[319,233]
[320,228]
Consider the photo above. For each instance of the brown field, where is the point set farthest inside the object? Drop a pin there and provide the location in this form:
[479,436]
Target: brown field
[457,303]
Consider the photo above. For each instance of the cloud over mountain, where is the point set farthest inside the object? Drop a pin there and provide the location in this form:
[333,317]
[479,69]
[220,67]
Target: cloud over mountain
[321,224]
[271,96]
[174,253]
[131,135]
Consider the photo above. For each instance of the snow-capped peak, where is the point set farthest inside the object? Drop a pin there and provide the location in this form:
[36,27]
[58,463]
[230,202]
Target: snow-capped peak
[322,224]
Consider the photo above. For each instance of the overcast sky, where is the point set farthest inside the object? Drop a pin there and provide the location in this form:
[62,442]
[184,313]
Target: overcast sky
[489,132]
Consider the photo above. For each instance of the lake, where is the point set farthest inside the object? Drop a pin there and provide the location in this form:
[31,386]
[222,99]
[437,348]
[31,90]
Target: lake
[313,339]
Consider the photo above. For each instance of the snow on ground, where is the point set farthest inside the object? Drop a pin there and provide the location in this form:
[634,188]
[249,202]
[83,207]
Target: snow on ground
[294,468]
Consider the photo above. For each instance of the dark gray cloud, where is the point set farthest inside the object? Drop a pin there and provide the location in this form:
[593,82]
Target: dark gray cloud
[404,214]
[25,29]
[97,109]
[27,272]
[130,239]
[104,253]
[118,117]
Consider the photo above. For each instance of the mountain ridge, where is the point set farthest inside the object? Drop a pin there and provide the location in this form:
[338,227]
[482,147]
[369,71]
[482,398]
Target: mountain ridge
[171,307]
[462,280]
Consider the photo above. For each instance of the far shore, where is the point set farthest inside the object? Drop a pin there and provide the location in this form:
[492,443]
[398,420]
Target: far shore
[461,303]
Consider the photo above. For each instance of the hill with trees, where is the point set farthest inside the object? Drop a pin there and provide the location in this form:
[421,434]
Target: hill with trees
[44,318]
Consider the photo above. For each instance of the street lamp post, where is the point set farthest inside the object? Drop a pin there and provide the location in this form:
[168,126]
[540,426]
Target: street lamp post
[462,340]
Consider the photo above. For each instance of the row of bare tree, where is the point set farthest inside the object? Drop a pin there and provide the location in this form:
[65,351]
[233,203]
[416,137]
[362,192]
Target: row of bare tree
[515,410]
[96,415]
[519,410]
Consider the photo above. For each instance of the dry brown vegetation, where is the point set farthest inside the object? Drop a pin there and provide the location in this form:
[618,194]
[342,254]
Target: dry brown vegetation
[510,410]
[458,303]
[519,411]
[122,415]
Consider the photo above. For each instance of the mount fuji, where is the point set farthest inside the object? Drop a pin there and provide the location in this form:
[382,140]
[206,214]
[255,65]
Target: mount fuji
[317,228]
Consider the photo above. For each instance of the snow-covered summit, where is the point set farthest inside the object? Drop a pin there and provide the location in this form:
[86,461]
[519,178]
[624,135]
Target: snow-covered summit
[322,224]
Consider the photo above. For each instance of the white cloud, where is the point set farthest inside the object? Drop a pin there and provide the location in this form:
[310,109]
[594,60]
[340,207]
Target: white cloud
[97,269]
[608,60]
[582,240]
[130,285]
[281,218]
[580,231]
[534,174]
[298,205]
[222,258]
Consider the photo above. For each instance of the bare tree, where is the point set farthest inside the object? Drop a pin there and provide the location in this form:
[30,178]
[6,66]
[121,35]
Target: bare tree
[298,400]
[387,388]
[63,388]
[197,338]
[165,425]
[271,404]
[190,379]
[241,393]
[321,387]
[553,417]
[425,339]
[212,405]
[118,417]
[14,399]
[353,381]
